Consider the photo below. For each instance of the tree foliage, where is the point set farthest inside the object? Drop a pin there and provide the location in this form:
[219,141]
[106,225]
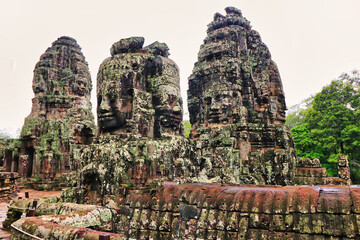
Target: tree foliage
[296,114]
[4,134]
[187,127]
[328,125]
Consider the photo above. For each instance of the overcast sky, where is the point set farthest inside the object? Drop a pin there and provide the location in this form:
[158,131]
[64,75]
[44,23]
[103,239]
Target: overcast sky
[312,41]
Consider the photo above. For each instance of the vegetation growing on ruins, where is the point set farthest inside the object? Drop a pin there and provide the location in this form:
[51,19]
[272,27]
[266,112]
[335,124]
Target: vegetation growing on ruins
[140,178]
[326,125]
[187,127]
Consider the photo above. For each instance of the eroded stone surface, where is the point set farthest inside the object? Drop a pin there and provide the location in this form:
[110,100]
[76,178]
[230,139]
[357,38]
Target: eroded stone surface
[238,135]
[309,171]
[140,140]
[207,211]
[112,165]
[138,91]
[8,186]
[237,106]
[60,116]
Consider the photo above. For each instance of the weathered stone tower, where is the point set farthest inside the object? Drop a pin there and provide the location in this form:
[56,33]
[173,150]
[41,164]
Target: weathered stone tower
[140,142]
[60,116]
[138,91]
[237,110]
[237,106]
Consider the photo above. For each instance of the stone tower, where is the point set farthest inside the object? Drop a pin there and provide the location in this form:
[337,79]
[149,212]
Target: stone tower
[140,142]
[138,91]
[237,106]
[61,113]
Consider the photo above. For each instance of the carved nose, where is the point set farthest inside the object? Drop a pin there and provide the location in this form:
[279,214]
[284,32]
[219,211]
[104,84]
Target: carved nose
[215,107]
[104,107]
[177,109]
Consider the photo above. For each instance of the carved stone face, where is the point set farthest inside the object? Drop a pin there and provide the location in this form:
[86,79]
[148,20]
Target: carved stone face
[221,106]
[118,79]
[79,87]
[139,93]
[169,109]
[254,39]
[113,107]
[167,99]
[39,84]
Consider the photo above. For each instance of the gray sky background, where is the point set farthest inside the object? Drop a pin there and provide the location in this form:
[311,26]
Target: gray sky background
[312,41]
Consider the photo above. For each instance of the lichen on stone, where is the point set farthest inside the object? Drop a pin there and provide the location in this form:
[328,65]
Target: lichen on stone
[237,107]
[60,116]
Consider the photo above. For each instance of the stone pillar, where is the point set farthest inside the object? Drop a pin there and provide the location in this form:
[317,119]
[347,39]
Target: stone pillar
[343,169]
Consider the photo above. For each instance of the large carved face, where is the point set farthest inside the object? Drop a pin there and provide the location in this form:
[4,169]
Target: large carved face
[39,84]
[114,107]
[80,84]
[167,98]
[169,109]
[254,39]
[117,79]
[221,106]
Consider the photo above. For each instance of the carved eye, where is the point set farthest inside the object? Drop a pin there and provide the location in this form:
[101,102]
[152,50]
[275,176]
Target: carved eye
[111,86]
[135,65]
[226,98]
[130,92]
[111,97]
[208,100]
[112,101]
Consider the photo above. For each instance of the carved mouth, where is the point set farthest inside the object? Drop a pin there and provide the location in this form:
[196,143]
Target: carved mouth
[214,114]
[214,117]
[106,116]
[175,119]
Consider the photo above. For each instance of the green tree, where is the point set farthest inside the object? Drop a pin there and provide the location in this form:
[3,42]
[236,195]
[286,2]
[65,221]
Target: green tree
[329,126]
[306,145]
[333,116]
[187,127]
[295,116]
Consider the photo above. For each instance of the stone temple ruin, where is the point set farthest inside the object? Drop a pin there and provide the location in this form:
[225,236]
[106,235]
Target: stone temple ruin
[138,177]
[237,105]
[60,117]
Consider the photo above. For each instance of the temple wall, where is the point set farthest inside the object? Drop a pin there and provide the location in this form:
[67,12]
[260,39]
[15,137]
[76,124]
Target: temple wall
[215,211]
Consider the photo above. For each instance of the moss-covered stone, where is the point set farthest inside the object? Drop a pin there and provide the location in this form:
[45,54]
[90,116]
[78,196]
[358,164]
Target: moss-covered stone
[237,107]
[60,116]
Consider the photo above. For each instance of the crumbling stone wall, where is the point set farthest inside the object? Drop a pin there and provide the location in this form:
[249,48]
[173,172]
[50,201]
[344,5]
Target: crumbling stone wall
[7,185]
[110,165]
[238,135]
[3,143]
[74,223]
[237,106]
[309,172]
[210,211]
[60,116]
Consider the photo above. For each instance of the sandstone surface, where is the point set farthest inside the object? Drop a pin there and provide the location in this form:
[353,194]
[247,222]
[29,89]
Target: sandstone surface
[237,106]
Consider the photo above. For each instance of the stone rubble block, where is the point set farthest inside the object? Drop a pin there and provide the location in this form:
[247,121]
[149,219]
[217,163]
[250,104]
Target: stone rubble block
[309,172]
[127,45]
